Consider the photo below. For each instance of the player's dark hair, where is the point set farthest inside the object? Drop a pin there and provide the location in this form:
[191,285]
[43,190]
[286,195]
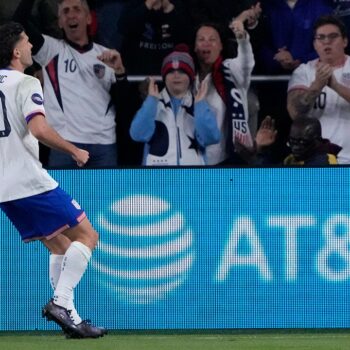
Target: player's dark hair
[330,19]
[10,34]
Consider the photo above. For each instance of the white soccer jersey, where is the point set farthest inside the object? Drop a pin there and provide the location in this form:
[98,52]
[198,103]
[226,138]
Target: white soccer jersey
[332,110]
[77,92]
[21,173]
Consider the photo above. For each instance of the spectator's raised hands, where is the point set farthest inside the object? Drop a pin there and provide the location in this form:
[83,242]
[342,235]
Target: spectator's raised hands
[285,59]
[251,15]
[167,6]
[153,88]
[323,75]
[113,59]
[238,28]
[266,135]
[202,91]
[153,4]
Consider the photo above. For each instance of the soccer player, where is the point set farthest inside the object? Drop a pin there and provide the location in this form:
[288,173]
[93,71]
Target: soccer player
[27,192]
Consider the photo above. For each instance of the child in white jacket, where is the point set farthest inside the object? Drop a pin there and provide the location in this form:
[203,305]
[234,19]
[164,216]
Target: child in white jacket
[175,125]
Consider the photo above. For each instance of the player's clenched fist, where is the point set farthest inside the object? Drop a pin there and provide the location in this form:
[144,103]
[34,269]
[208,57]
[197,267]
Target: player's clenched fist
[81,157]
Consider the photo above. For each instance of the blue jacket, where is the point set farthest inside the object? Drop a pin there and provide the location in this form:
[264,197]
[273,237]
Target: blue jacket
[290,28]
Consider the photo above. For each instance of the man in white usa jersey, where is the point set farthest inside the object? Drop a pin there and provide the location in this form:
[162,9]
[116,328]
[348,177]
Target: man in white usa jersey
[32,200]
[321,88]
[80,83]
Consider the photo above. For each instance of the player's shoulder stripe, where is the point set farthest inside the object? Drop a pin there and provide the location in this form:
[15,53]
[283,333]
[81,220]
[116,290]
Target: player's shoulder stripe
[33,114]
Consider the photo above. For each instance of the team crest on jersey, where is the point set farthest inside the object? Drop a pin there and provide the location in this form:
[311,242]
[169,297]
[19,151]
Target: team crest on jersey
[99,70]
[37,99]
[2,78]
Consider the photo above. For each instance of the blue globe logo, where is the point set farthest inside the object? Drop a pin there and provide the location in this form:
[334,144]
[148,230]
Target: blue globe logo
[145,250]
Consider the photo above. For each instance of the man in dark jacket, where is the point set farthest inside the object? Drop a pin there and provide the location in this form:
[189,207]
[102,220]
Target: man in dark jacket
[151,30]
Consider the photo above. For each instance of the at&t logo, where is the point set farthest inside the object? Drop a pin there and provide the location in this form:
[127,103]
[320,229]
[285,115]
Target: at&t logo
[145,249]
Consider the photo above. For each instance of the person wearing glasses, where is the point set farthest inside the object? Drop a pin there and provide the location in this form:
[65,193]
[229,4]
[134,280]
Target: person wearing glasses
[306,147]
[320,88]
[286,37]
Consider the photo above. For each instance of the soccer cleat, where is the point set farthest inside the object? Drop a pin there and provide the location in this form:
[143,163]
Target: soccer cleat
[59,315]
[86,330]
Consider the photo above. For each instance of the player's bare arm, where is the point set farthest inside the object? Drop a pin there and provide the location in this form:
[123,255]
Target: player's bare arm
[49,137]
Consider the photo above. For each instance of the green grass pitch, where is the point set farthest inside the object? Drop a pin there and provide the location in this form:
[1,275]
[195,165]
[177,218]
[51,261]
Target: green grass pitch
[240,340]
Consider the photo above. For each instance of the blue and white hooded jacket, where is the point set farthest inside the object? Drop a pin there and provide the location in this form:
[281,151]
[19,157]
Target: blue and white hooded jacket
[174,135]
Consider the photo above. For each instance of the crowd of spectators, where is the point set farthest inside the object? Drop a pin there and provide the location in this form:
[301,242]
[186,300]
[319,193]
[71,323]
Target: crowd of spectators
[141,33]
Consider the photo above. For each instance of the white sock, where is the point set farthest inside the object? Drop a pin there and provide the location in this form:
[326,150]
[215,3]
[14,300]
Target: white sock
[55,265]
[74,265]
